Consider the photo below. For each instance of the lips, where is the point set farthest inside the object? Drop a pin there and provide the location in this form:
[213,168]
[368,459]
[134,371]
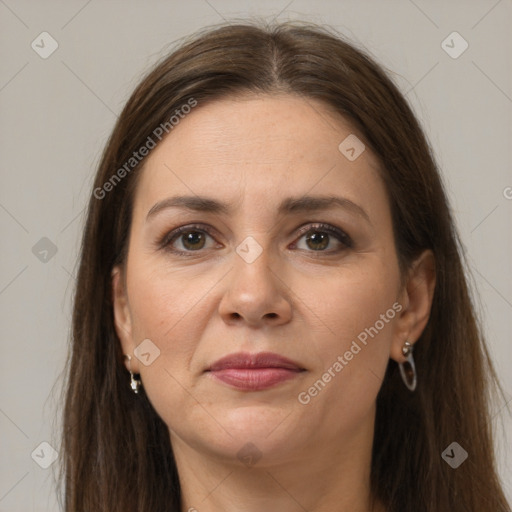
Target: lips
[253,372]
[244,360]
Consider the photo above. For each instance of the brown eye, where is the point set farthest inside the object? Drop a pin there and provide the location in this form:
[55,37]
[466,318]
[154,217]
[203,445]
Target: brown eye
[318,238]
[193,240]
[186,239]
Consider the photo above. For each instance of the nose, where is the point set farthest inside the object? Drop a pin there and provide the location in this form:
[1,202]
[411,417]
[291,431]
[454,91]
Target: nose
[255,294]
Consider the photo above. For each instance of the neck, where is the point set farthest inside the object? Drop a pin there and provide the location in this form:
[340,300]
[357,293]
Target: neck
[317,478]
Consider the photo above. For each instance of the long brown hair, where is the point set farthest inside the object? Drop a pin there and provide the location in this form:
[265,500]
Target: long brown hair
[116,453]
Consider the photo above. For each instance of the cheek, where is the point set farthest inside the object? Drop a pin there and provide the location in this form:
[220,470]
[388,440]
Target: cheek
[168,310]
[355,299]
[161,299]
[340,312]
[357,312]
[173,307]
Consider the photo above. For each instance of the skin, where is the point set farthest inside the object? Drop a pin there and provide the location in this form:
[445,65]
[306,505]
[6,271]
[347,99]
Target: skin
[308,305]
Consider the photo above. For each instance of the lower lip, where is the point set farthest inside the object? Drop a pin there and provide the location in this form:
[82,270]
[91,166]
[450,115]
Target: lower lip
[254,379]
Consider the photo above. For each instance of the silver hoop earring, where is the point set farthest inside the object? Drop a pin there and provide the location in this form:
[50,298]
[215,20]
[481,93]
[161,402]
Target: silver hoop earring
[134,383]
[408,368]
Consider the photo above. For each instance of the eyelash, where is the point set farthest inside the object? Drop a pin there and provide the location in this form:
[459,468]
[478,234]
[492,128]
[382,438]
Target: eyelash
[319,227]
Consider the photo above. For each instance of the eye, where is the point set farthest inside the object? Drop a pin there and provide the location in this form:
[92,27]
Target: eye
[318,237]
[192,239]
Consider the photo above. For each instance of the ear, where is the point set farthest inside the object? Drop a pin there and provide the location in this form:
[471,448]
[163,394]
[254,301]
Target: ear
[122,317]
[416,300]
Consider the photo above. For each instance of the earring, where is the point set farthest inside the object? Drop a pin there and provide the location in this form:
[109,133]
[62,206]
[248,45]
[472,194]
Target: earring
[408,368]
[134,383]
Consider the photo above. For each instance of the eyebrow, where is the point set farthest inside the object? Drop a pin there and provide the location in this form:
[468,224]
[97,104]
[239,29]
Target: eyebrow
[288,205]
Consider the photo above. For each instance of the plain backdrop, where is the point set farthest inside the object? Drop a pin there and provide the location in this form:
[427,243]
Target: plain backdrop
[57,112]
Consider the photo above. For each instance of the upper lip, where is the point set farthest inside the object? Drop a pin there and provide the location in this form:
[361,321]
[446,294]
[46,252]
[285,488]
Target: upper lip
[245,360]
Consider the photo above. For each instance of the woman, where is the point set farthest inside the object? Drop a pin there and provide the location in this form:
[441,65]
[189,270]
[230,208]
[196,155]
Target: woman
[271,308]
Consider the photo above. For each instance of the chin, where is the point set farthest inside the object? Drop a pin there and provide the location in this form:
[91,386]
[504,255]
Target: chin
[256,448]
[261,425]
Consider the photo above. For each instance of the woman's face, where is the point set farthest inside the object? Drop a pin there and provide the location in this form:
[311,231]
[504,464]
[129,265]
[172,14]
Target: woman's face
[265,264]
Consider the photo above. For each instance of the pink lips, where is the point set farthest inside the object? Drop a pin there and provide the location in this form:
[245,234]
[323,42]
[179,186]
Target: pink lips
[253,372]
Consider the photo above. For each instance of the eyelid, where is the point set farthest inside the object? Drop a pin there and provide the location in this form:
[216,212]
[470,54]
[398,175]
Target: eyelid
[342,236]
[175,233]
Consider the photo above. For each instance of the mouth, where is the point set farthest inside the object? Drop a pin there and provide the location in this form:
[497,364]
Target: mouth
[254,372]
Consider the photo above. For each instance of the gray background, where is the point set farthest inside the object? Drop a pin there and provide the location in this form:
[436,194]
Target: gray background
[56,114]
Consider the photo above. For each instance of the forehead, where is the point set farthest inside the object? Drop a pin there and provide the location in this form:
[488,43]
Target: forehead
[255,148]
